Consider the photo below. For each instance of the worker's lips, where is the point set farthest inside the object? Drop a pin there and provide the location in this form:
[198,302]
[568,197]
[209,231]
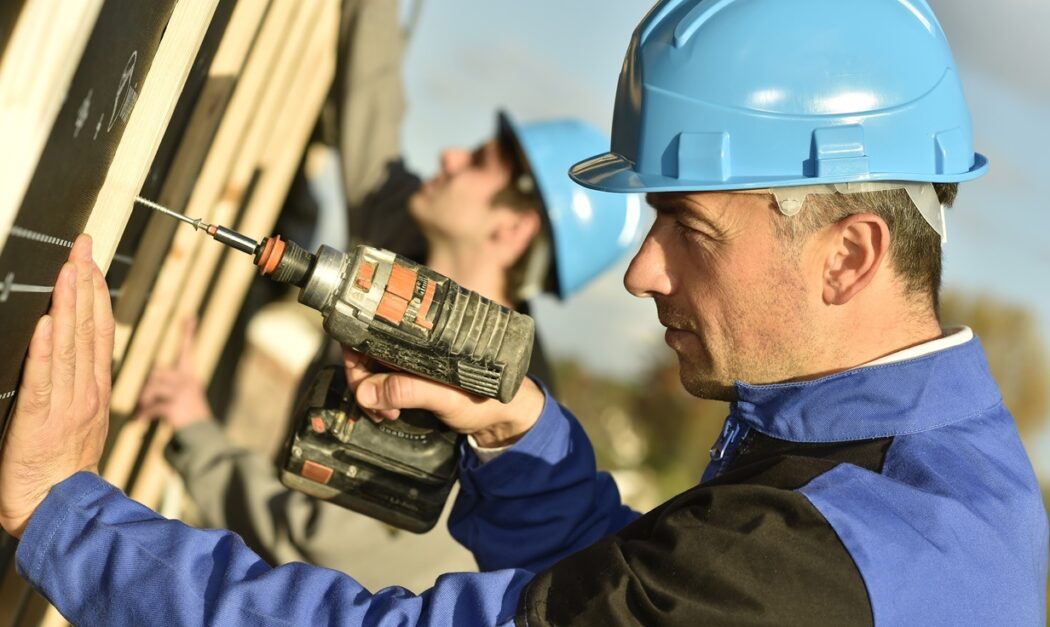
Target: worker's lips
[677,325]
[674,337]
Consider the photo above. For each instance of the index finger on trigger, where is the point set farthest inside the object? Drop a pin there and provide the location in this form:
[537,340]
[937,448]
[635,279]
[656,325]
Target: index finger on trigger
[356,366]
[352,358]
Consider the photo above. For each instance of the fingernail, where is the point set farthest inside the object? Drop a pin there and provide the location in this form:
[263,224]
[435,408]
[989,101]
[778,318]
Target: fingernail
[366,394]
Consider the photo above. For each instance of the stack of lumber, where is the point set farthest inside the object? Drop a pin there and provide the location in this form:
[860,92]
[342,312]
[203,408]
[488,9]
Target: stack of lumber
[89,91]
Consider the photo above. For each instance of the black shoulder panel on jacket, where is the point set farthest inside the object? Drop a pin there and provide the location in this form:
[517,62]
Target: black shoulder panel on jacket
[744,549]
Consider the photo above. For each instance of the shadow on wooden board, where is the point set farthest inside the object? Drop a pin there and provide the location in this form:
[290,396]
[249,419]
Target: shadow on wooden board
[9,10]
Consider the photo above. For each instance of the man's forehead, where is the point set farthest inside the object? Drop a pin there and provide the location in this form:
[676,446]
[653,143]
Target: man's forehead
[716,207]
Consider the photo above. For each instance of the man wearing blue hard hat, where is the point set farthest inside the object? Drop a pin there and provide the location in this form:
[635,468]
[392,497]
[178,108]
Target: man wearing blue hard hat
[798,156]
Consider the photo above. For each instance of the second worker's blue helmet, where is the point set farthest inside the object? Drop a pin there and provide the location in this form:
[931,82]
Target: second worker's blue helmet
[590,230]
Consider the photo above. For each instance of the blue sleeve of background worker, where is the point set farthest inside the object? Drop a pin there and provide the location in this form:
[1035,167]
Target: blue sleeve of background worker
[103,559]
[539,501]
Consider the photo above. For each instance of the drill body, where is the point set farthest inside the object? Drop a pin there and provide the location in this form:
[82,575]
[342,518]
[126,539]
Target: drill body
[409,318]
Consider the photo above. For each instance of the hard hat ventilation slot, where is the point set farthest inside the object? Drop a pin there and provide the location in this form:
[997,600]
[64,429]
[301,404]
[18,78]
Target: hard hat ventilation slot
[839,151]
[703,157]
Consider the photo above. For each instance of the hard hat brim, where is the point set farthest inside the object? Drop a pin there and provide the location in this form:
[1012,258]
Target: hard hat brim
[610,172]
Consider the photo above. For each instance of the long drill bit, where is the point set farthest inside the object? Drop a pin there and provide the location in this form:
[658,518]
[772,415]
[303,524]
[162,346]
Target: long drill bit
[221,234]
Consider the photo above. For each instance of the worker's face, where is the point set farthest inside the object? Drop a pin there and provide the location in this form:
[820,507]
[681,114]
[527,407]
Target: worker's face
[456,204]
[735,301]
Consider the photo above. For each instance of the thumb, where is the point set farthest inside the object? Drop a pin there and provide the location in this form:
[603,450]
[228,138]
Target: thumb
[386,391]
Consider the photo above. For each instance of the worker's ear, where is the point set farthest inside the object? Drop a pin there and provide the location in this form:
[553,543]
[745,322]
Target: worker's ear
[855,248]
[512,233]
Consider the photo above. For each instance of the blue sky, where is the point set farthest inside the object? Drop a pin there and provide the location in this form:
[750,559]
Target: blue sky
[551,57]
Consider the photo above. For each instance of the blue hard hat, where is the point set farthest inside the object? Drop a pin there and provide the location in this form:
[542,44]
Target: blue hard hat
[591,230]
[745,94]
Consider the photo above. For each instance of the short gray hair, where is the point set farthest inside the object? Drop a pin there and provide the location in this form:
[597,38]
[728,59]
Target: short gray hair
[915,248]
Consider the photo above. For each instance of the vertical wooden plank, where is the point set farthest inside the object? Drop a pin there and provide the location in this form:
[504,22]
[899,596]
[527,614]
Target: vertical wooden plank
[196,141]
[300,89]
[228,140]
[171,65]
[132,246]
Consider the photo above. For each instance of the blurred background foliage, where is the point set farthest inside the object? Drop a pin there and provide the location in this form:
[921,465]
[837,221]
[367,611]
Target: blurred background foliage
[1016,354]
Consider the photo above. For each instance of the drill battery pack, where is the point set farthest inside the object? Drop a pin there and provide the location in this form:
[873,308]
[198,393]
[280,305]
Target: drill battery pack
[397,471]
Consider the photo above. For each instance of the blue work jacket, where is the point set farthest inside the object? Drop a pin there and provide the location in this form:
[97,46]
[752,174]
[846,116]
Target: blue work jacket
[892,494]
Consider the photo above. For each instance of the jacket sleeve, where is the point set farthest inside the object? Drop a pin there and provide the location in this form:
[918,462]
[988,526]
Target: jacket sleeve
[539,501]
[103,559]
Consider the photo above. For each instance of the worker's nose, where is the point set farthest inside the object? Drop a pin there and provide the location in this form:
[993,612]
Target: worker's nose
[647,275]
[454,160]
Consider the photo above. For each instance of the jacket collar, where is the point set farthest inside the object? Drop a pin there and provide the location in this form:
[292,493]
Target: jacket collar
[874,401]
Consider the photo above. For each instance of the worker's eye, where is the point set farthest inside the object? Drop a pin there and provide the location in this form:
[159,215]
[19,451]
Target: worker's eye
[691,234]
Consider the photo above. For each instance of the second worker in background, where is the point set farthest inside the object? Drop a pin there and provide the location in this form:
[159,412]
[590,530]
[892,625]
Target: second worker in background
[502,220]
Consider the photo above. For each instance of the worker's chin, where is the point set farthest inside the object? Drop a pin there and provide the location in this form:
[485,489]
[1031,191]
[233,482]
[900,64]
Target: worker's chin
[701,380]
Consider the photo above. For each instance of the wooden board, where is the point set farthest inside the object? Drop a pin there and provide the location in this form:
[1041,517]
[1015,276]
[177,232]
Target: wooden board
[226,144]
[177,135]
[151,241]
[120,99]
[284,128]
[130,165]
[72,169]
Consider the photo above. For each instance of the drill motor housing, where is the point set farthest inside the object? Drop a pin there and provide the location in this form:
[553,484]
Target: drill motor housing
[409,318]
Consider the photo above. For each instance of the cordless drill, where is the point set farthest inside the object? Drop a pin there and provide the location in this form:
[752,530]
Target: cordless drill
[409,318]
[406,317]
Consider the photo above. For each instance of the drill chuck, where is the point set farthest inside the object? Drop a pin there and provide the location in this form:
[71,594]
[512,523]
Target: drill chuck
[283,261]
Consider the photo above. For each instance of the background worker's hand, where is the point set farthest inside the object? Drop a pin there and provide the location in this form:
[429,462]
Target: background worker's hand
[62,413]
[176,395]
[493,424]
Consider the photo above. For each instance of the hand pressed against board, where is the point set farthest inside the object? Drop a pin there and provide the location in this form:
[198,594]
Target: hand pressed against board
[62,412]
